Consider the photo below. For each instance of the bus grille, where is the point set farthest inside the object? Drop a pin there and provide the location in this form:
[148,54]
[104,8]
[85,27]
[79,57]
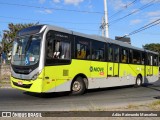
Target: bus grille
[23,85]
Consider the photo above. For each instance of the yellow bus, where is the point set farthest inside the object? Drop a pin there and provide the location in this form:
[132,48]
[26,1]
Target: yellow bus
[47,58]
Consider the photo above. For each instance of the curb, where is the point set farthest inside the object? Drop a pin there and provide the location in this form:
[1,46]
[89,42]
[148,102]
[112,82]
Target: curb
[1,87]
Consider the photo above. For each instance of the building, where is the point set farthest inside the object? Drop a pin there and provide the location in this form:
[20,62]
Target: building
[123,39]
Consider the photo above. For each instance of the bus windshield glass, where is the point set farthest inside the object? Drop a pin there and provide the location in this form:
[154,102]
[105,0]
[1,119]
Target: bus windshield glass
[26,50]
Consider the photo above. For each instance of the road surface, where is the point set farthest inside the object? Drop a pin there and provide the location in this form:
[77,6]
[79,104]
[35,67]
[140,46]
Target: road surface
[16,100]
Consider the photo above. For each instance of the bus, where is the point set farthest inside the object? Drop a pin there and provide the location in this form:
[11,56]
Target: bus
[48,58]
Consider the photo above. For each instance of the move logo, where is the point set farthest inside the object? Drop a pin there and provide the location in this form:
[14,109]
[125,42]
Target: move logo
[96,69]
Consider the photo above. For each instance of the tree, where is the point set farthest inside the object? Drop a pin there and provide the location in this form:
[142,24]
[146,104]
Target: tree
[9,35]
[0,47]
[153,47]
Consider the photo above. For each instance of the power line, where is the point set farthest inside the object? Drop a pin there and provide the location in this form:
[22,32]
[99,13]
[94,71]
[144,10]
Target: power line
[35,20]
[141,8]
[51,8]
[71,28]
[125,7]
[154,23]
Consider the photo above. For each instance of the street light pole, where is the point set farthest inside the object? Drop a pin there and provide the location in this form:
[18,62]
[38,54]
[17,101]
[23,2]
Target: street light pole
[106,27]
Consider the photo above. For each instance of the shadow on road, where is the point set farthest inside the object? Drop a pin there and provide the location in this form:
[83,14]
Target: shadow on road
[47,95]
[100,90]
[108,89]
[157,97]
[151,86]
[63,94]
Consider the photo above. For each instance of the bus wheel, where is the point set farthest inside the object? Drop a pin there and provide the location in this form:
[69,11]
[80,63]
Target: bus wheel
[138,81]
[78,86]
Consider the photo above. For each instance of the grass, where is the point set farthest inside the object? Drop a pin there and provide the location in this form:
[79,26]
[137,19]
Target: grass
[155,105]
[130,106]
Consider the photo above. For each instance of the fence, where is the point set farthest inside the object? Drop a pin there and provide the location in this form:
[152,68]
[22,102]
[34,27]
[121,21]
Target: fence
[4,76]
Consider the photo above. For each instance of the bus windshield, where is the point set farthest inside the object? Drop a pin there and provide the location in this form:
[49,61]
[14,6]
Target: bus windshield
[26,50]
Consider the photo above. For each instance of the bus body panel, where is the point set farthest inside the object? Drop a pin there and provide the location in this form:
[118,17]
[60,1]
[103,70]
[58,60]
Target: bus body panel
[55,76]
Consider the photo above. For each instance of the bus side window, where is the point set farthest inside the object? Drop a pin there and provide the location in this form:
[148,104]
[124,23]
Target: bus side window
[97,51]
[65,50]
[49,48]
[116,54]
[82,49]
[110,53]
[61,50]
[136,57]
[149,59]
[130,56]
[155,60]
[143,59]
[124,56]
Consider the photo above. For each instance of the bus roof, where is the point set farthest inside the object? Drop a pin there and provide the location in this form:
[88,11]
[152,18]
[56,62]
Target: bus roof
[38,28]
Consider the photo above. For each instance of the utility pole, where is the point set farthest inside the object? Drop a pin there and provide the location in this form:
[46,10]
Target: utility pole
[104,25]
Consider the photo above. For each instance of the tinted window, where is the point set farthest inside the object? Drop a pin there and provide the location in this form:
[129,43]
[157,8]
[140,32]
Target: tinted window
[143,58]
[82,48]
[124,55]
[155,60]
[130,56]
[110,52]
[97,51]
[30,30]
[150,59]
[136,57]
[58,49]
[116,54]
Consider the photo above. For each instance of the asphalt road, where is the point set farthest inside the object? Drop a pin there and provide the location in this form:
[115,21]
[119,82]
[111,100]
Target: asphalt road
[16,100]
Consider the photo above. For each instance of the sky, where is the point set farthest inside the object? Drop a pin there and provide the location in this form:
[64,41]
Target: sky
[85,16]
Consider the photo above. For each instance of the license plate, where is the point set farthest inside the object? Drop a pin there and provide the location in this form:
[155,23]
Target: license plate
[20,83]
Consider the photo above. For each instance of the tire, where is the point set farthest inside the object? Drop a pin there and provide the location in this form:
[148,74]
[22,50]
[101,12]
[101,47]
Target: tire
[78,86]
[138,81]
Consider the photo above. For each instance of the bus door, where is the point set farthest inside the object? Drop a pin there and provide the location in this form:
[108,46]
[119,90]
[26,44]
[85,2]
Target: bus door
[110,64]
[58,59]
[113,60]
[149,67]
[116,61]
[110,69]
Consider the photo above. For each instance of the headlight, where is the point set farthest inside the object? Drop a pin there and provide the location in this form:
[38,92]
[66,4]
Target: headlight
[36,75]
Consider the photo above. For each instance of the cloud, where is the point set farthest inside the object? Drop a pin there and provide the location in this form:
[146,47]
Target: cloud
[56,1]
[117,4]
[90,6]
[46,11]
[136,21]
[73,2]
[148,1]
[154,19]
[153,14]
[42,1]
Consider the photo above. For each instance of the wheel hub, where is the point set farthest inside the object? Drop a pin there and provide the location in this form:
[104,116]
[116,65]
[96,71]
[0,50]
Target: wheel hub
[76,86]
[138,82]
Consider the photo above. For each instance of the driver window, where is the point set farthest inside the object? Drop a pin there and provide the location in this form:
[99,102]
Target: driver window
[58,46]
[61,50]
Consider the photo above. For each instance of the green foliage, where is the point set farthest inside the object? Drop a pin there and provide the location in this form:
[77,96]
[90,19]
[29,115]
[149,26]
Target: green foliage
[153,47]
[10,34]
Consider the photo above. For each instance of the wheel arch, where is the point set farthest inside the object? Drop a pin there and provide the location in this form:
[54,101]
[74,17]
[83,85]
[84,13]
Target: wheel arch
[84,78]
[140,75]
[139,80]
